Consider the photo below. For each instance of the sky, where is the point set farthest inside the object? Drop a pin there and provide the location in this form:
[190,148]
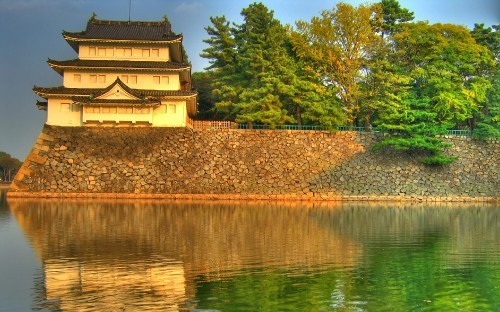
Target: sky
[30,33]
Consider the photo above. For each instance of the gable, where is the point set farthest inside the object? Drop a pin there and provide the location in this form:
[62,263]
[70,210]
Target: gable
[117,92]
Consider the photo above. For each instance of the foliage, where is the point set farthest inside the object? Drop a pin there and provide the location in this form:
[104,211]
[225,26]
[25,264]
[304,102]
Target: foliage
[413,128]
[361,66]
[447,86]
[254,76]
[202,82]
[488,117]
[8,166]
[337,45]
[393,16]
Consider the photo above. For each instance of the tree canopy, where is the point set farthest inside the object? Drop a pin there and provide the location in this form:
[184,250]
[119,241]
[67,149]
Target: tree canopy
[8,166]
[370,66]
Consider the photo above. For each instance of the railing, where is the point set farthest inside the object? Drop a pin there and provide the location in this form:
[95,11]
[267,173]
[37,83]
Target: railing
[212,125]
[298,127]
[467,133]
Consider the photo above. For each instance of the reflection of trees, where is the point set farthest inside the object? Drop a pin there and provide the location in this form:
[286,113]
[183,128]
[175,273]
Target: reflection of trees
[417,226]
[4,207]
[418,257]
[348,256]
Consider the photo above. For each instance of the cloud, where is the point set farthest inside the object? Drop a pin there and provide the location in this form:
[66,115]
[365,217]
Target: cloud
[22,5]
[186,7]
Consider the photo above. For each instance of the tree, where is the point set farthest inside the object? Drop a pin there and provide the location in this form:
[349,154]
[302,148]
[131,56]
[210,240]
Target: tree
[447,66]
[447,86]
[393,16]
[255,76]
[221,54]
[337,45]
[266,68]
[488,117]
[8,166]
[202,82]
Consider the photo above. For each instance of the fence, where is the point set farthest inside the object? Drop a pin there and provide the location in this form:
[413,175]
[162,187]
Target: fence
[213,125]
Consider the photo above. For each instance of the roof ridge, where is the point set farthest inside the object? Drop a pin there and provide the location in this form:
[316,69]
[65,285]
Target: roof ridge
[121,22]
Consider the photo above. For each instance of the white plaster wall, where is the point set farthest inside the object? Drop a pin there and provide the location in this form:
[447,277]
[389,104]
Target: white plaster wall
[142,81]
[121,52]
[62,112]
[118,116]
[166,116]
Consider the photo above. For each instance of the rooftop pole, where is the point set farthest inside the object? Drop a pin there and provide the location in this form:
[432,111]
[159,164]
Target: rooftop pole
[129,8]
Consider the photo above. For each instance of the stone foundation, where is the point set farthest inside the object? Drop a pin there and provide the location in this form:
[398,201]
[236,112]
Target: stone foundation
[253,164]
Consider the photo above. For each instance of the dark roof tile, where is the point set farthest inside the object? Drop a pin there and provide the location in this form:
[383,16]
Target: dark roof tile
[117,63]
[125,30]
[61,90]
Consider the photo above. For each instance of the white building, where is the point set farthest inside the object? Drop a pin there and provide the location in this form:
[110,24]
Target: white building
[126,74]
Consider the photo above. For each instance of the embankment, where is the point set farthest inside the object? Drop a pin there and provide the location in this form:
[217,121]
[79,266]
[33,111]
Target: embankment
[253,164]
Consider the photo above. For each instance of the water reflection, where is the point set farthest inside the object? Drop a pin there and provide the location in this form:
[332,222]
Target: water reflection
[170,256]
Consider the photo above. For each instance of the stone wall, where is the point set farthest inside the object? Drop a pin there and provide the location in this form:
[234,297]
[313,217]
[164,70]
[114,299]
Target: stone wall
[242,163]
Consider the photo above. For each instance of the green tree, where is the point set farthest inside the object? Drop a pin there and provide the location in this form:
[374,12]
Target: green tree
[488,118]
[256,77]
[221,55]
[447,86]
[202,82]
[266,68]
[8,166]
[393,15]
[337,45]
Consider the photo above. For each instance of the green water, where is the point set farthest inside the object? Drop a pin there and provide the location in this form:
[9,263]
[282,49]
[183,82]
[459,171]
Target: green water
[248,256]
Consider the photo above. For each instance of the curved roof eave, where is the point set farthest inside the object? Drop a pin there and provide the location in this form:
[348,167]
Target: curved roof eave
[59,66]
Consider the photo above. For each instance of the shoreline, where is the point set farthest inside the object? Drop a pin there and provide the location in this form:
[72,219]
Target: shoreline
[263,197]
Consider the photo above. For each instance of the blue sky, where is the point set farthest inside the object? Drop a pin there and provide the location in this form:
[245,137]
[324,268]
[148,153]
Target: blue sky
[30,32]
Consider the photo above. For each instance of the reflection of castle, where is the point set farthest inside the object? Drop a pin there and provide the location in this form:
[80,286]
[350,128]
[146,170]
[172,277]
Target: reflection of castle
[131,254]
[75,285]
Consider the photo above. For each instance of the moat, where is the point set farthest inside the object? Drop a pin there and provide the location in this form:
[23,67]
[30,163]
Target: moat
[117,255]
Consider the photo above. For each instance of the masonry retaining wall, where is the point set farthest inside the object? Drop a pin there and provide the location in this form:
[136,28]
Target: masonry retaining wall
[257,164]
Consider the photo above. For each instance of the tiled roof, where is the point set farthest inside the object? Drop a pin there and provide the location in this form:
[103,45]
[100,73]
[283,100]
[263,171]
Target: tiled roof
[61,90]
[118,64]
[41,105]
[125,30]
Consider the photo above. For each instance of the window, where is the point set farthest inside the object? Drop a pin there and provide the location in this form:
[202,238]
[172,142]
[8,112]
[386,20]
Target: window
[133,79]
[93,78]
[120,51]
[108,110]
[102,78]
[77,78]
[125,110]
[92,51]
[92,109]
[65,107]
[101,51]
[165,80]
[155,53]
[145,52]
[124,78]
[172,108]
[127,52]
[156,80]
[142,110]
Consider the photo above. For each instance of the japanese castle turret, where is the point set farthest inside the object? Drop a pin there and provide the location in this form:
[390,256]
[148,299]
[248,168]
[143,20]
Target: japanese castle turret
[126,74]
